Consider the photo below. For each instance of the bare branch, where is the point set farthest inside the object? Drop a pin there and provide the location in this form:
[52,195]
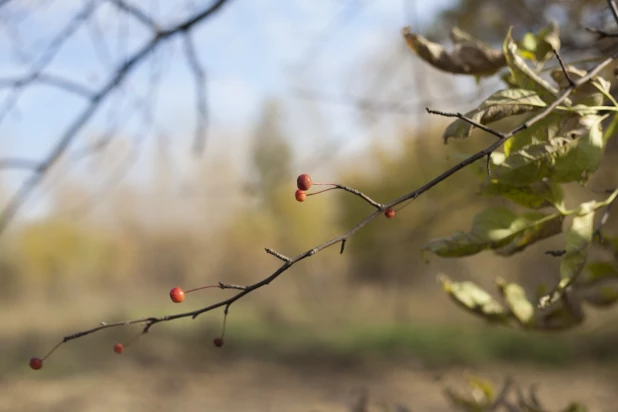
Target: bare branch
[48,79]
[17,163]
[74,128]
[199,74]
[139,15]
[52,49]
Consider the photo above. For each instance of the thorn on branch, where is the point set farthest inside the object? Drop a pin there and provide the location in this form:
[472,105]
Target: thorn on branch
[342,246]
[563,67]
[277,254]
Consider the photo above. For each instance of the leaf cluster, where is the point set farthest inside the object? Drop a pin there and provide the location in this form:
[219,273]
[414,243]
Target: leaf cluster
[565,147]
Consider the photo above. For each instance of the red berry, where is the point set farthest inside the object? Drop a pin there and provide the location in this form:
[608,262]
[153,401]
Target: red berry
[300,195]
[389,213]
[118,348]
[36,363]
[303,182]
[218,342]
[177,295]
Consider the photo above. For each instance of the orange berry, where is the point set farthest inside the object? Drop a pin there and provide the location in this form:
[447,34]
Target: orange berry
[389,213]
[36,363]
[177,295]
[218,342]
[303,182]
[118,348]
[300,195]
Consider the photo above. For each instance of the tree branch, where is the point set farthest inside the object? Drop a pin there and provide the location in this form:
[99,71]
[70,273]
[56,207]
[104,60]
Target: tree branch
[139,15]
[48,79]
[199,74]
[74,128]
[289,262]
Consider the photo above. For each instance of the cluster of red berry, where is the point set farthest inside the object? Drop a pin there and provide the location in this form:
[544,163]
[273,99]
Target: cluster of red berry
[304,182]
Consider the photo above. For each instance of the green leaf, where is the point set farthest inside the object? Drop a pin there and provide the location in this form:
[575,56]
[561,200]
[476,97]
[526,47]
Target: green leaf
[578,238]
[469,56]
[539,194]
[528,165]
[585,153]
[474,299]
[540,227]
[496,228]
[592,93]
[539,47]
[542,131]
[564,159]
[523,75]
[500,105]
[516,300]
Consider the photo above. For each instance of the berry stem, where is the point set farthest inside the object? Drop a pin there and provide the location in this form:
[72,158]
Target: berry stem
[203,287]
[224,324]
[321,191]
[52,351]
[136,337]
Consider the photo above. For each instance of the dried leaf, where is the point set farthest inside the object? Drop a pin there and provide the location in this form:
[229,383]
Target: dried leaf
[469,56]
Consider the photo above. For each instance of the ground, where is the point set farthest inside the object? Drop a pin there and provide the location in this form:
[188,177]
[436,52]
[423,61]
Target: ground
[128,384]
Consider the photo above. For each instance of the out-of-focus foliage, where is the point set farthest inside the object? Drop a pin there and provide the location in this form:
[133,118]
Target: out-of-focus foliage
[482,396]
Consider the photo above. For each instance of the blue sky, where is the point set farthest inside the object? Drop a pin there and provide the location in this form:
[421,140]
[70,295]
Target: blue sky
[252,50]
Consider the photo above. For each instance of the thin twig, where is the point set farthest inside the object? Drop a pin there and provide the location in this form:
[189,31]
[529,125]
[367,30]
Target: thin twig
[600,33]
[277,254]
[562,66]
[199,74]
[51,80]
[360,194]
[467,119]
[139,15]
